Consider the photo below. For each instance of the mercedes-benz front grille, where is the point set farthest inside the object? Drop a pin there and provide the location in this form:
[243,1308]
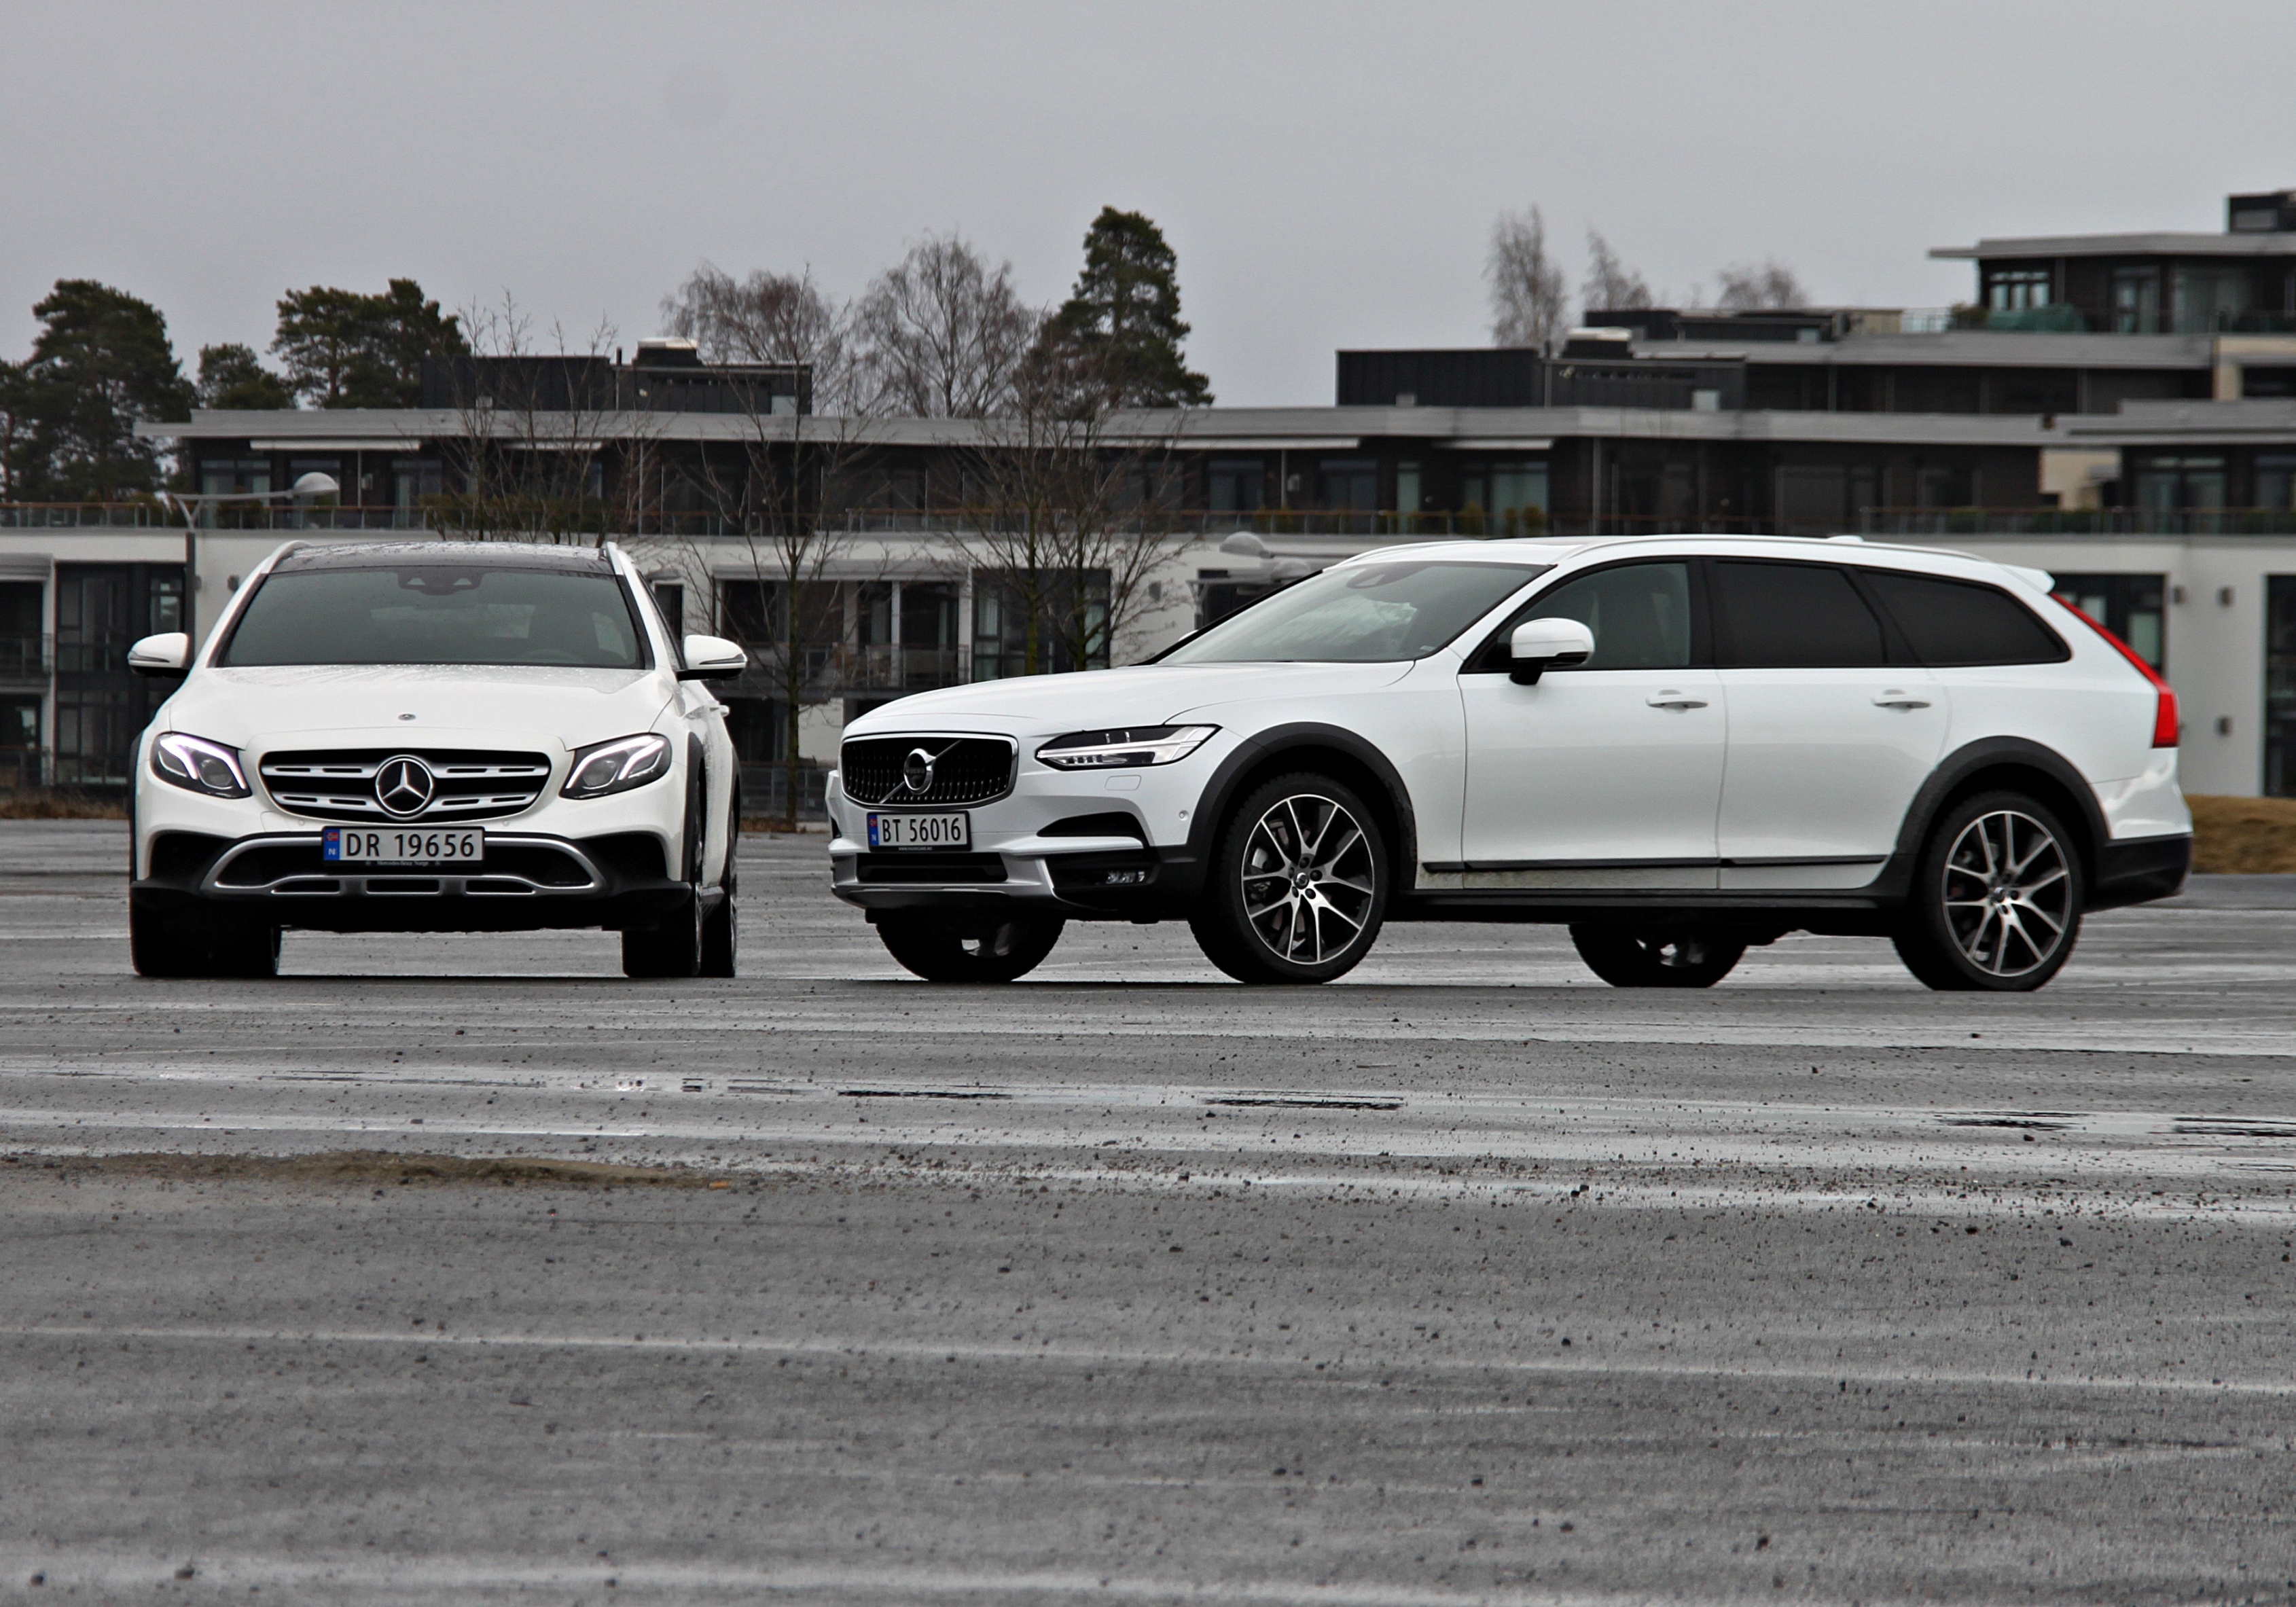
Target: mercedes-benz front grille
[462,783]
[920,770]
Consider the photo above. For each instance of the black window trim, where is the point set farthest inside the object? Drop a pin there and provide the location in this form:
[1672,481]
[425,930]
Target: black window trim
[1492,657]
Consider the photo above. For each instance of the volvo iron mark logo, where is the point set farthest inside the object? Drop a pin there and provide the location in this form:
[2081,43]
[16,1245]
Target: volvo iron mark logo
[404,787]
[917,771]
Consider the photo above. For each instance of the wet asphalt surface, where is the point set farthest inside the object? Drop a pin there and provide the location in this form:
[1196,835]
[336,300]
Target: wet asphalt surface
[1467,1280]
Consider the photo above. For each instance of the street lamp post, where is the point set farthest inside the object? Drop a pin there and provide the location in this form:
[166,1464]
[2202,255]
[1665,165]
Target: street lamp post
[305,491]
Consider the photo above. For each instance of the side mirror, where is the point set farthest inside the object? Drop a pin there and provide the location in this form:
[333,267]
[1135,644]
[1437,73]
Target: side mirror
[712,659]
[1539,645]
[166,655]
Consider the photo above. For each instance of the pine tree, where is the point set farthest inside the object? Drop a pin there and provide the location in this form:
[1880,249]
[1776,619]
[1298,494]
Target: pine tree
[231,376]
[346,349]
[102,361]
[1124,314]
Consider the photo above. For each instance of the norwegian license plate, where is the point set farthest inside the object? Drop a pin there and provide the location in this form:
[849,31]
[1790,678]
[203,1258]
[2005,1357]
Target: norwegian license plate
[920,831]
[402,845]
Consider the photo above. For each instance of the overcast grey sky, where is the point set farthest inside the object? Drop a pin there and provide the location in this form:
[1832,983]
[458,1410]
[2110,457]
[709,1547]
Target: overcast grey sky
[1328,173]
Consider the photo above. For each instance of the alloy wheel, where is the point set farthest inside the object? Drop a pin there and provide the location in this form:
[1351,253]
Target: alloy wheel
[1310,882]
[2008,893]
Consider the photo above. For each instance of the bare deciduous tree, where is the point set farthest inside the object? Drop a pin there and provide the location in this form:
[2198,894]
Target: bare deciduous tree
[1755,287]
[942,334]
[768,318]
[1610,285]
[1076,511]
[1528,290]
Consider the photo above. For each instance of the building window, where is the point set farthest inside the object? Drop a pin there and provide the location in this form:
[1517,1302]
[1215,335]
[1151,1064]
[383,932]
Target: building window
[2276,482]
[2168,484]
[1069,631]
[1235,485]
[20,742]
[2280,686]
[20,605]
[1350,484]
[414,481]
[2127,605]
[2205,300]
[1511,492]
[2136,300]
[232,477]
[2014,290]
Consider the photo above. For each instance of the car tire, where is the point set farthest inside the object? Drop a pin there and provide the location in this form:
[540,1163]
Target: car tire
[1997,900]
[721,927]
[162,945]
[941,950]
[1673,959]
[672,948]
[1297,886]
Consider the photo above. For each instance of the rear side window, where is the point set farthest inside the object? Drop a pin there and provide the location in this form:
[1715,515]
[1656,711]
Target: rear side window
[1792,616]
[1951,622]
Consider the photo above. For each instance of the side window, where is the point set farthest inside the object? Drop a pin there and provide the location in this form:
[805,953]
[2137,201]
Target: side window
[1961,622]
[1639,613]
[1792,616]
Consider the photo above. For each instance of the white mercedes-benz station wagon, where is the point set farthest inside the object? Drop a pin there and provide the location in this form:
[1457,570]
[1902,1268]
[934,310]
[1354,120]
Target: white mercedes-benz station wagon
[1679,747]
[435,736]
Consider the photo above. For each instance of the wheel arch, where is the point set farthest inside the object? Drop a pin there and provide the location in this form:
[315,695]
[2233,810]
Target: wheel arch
[2012,763]
[1342,754]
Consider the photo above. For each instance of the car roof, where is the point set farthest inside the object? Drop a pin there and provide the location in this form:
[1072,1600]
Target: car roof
[445,554]
[1835,549]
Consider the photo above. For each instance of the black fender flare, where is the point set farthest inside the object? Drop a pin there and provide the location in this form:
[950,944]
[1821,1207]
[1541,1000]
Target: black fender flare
[1184,871]
[1963,762]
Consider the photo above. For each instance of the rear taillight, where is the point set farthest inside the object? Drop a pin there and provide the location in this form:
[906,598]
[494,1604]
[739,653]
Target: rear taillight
[2164,696]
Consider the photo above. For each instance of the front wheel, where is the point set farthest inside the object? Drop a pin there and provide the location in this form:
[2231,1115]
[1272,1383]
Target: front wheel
[673,947]
[1296,887]
[1997,899]
[987,950]
[1630,959]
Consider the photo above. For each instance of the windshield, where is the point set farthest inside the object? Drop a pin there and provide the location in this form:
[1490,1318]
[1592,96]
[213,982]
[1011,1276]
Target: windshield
[446,614]
[1366,613]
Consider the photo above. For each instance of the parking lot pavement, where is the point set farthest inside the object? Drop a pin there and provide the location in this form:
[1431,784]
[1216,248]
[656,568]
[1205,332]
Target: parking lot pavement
[1467,1280]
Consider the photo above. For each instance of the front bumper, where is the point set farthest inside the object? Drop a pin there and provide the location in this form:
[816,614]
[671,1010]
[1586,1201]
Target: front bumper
[528,881]
[1088,846]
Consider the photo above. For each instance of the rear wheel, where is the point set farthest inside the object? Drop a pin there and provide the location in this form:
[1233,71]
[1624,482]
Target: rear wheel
[941,949]
[672,948]
[1632,959]
[1296,887]
[1997,900]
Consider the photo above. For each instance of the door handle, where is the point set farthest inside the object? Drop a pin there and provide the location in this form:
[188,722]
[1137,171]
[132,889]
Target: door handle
[1675,700]
[1898,699]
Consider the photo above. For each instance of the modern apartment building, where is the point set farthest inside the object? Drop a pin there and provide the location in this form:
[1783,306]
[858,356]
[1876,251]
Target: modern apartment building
[2148,461]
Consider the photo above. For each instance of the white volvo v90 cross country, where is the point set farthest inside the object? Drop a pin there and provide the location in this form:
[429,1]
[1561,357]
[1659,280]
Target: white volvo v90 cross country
[435,736]
[1677,746]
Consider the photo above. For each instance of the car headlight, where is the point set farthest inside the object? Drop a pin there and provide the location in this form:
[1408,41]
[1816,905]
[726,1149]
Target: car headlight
[197,765]
[1124,749]
[616,767]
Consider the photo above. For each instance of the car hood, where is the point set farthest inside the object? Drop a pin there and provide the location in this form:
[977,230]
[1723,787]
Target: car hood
[1148,694]
[359,706]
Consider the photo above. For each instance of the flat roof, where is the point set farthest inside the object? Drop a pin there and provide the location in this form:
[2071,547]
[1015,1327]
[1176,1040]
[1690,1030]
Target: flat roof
[1955,349]
[2126,245]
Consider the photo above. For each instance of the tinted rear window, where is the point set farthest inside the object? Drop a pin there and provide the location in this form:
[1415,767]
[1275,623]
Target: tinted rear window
[1792,616]
[1962,622]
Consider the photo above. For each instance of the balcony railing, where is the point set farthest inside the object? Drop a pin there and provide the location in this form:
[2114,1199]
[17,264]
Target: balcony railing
[25,657]
[2078,521]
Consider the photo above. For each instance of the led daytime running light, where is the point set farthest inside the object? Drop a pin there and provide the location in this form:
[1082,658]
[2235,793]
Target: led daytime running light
[1123,748]
[197,765]
[616,767]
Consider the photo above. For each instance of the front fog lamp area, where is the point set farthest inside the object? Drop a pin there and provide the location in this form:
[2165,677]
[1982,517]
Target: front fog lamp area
[197,765]
[1123,750]
[616,767]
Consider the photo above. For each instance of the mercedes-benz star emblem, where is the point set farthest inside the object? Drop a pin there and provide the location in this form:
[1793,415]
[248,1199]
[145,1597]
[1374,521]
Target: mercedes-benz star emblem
[917,771]
[403,786]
